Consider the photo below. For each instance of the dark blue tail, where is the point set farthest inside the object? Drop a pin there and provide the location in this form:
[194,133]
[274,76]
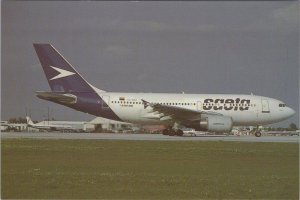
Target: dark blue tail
[61,76]
[67,85]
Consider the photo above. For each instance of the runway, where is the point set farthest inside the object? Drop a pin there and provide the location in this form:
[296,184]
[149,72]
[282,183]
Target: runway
[147,137]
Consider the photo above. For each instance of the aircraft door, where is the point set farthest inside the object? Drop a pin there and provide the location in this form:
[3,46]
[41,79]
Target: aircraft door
[105,102]
[265,106]
[199,105]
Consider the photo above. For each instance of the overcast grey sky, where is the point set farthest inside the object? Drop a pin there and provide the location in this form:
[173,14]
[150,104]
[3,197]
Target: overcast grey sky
[196,47]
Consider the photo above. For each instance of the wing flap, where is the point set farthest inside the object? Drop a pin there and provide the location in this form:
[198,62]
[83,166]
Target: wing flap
[179,114]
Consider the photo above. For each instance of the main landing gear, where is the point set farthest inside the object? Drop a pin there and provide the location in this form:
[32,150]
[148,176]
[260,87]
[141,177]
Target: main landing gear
[172,132]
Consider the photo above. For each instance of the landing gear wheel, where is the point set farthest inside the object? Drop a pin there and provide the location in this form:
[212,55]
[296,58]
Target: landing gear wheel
[172,132]
[165,132]
[257,133]
[168,131]
[179,132]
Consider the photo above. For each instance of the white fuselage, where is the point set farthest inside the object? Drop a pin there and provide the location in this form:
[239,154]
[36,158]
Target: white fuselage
[245,110]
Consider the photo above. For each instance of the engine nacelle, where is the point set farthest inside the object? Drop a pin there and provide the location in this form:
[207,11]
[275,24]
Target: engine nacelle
[213,123]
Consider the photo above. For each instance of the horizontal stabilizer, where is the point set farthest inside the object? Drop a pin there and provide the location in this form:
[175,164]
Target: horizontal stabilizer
[64,98]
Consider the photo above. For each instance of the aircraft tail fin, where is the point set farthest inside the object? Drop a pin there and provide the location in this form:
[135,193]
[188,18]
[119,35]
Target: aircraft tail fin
[29,121]
[61,76]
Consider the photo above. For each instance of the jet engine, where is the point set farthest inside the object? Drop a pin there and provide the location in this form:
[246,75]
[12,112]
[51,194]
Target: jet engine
[213,123]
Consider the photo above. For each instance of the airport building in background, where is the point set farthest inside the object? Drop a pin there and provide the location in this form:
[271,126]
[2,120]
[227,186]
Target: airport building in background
[98,124]
[112,125]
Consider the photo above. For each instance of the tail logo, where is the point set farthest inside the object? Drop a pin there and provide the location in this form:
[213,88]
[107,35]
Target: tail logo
[62,73]
[146,103]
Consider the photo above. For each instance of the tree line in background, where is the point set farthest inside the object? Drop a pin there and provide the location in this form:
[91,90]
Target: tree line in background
[20,120]
[291,127]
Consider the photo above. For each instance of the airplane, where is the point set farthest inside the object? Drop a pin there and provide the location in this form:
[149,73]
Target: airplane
[13,126]
[202,112]
[50,127]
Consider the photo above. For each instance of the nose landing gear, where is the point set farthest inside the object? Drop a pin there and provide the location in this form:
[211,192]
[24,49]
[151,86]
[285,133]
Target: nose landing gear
[257,132]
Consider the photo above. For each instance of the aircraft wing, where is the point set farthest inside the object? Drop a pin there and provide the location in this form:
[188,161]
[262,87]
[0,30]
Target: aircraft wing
[166,112]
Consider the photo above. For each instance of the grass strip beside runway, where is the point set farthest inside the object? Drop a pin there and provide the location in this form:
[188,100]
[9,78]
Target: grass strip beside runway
[103,169]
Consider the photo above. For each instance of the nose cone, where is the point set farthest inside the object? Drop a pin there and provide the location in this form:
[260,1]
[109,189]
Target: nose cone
[289,112]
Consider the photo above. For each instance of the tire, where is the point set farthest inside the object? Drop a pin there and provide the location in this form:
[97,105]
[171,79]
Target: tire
[258,134]
[179,132]
[165,132]
[172,132]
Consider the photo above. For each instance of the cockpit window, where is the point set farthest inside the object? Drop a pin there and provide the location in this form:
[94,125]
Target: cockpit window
[282,105]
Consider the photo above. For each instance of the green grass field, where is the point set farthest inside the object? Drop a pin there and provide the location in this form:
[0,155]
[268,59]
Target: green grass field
[103,169]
